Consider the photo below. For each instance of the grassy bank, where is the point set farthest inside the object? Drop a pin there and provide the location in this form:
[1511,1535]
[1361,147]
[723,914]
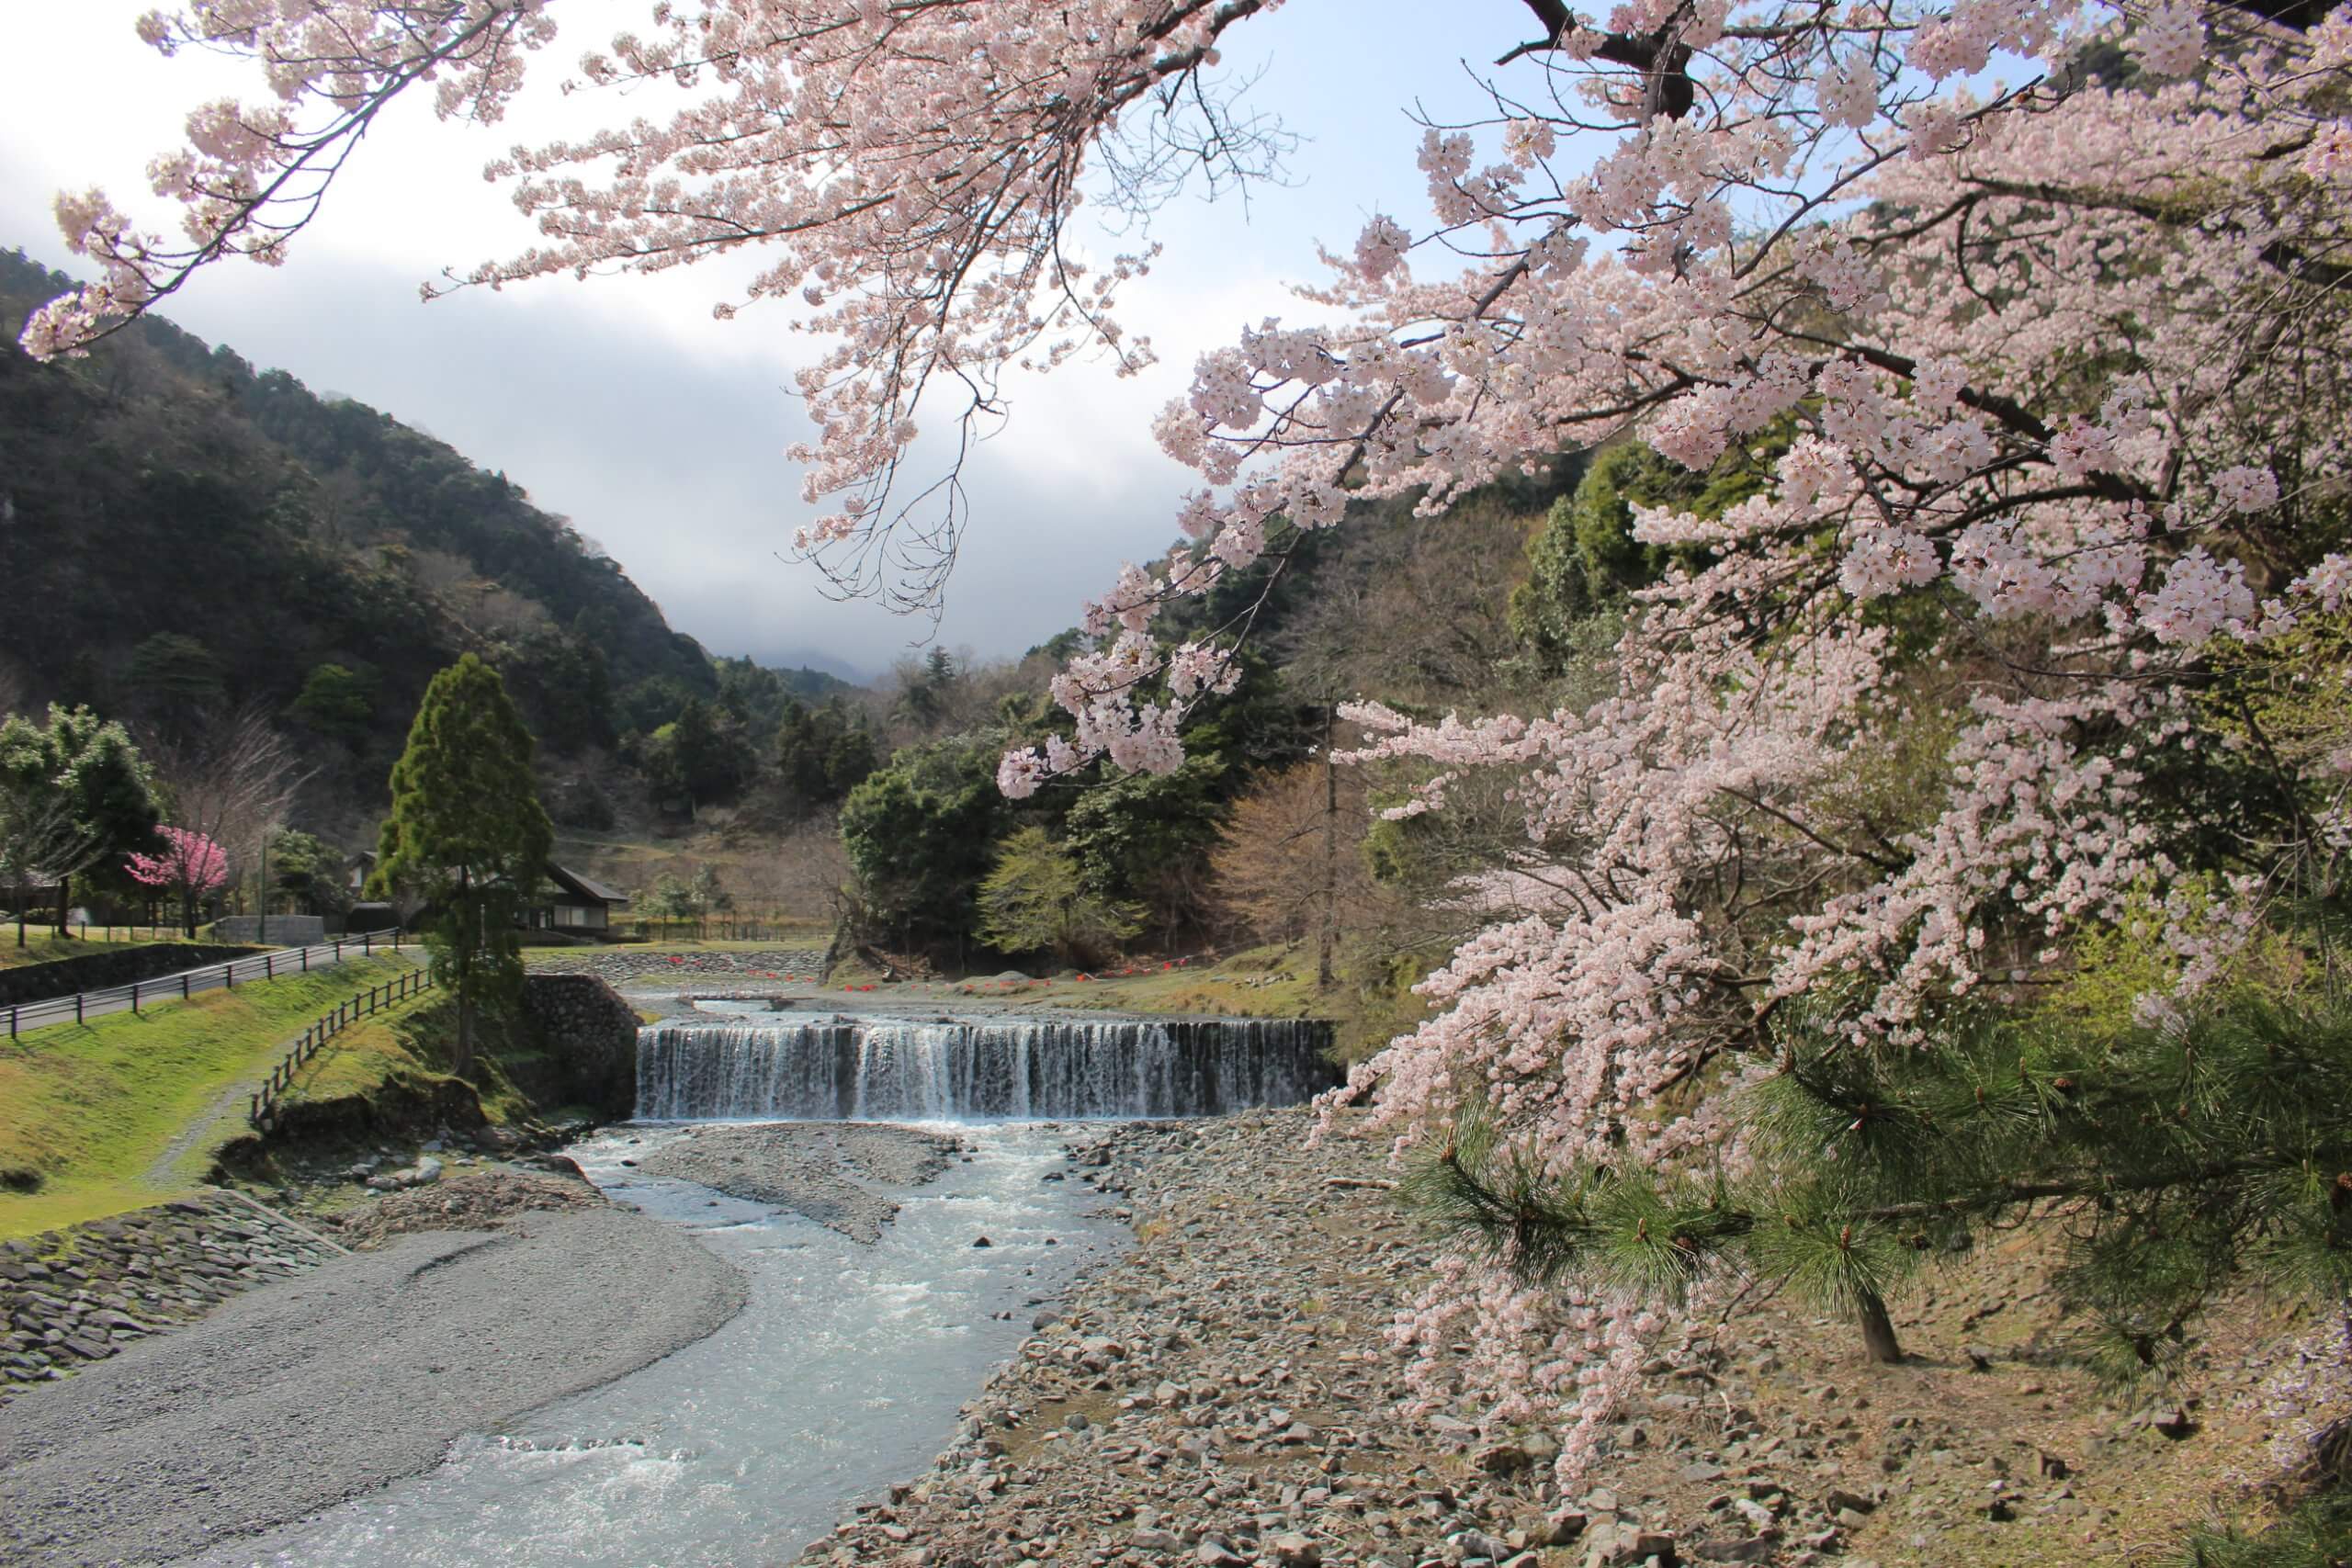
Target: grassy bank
[405,1051]
[42,947]
[1261,982]
[1367,1005]
[87,1109]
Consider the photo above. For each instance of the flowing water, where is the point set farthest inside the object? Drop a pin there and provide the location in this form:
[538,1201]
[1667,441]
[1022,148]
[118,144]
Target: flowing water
[975,1070]
[845,1370]
[842,1373]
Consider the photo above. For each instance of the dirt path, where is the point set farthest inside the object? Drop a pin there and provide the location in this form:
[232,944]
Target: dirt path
[237,1096]
[234,1100]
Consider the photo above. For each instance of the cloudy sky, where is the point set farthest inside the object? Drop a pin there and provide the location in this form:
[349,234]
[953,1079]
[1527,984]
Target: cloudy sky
[622,405]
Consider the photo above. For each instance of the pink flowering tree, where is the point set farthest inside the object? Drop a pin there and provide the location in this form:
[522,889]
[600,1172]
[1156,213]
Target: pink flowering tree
[1996,700]
[189,867]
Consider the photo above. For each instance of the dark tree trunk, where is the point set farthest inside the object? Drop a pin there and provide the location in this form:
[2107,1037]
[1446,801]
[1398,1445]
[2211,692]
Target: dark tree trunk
[468,926]
[1878,1330]
[64,904]
[464,1065]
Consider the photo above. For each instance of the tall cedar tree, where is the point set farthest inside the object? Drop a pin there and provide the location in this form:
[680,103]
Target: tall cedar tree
[467,833]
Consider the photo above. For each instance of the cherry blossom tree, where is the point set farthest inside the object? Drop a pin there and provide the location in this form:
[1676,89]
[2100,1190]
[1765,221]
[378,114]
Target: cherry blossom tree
[189,867]
[2037,310]
[230,778]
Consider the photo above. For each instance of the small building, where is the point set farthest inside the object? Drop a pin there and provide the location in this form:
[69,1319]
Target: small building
[580,904]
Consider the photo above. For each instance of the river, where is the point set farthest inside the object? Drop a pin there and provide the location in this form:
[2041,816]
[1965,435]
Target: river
[843,1373]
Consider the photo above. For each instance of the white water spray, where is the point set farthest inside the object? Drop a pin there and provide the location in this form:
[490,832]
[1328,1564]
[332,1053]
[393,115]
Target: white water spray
[979,1070]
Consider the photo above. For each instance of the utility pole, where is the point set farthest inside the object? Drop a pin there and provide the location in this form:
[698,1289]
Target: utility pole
[1328,924]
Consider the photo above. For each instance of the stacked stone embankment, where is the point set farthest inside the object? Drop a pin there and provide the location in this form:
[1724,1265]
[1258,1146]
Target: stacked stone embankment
[592,1035]
[73,1296]
[706,973]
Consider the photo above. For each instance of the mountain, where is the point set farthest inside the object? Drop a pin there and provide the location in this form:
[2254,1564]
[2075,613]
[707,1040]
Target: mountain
[813,672]
[181,533]
[817,677]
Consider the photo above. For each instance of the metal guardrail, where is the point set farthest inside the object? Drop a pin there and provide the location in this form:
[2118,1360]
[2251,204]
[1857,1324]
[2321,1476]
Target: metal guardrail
[272,966]
[375,998]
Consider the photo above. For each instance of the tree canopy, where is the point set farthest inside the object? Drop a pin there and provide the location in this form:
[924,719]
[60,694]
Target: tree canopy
[1034,900]
[2005,668]
[80,800]
[467,834]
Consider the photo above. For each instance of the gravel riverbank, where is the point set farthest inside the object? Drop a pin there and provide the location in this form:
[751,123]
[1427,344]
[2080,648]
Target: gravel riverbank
[1222,1395]
[828,1172]
[303,1393]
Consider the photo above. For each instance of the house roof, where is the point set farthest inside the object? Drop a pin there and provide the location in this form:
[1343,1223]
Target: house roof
[586,887]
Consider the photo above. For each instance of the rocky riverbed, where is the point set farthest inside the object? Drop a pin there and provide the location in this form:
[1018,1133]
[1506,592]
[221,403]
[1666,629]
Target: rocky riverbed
[1218,1393]
[75,1297]
[1222,1394]
[829,1172]
[485,1197]
[298,1394]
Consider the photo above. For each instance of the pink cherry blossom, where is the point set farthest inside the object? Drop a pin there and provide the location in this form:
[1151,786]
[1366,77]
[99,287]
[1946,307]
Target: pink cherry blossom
[2056,373]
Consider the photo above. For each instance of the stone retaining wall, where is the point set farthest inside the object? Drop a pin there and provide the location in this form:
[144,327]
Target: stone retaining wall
[78,1295]
[285,930]
[625,966]
[110,966]
[590,1034]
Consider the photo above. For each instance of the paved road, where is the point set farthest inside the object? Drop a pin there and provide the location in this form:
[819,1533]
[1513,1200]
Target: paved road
[261,968]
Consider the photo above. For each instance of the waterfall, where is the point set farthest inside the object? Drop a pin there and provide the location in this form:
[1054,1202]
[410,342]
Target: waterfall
[994,1069]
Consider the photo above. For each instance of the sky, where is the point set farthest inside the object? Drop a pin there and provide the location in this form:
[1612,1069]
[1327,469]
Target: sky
[622,405]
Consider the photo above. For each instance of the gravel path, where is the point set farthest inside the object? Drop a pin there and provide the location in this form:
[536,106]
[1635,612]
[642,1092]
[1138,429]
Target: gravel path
[301,1394]
[820,1171]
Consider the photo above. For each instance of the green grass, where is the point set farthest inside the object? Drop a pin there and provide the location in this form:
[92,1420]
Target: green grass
[2316,1535]
[1264,982]
[409,1044]
[42,948]
[383,1050]
[359,1059]
[90,1107]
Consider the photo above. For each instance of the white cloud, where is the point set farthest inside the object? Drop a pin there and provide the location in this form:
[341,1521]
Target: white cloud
[622,404]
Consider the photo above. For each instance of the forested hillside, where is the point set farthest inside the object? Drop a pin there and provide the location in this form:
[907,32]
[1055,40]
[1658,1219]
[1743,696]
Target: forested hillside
[182,533]
[1255,838]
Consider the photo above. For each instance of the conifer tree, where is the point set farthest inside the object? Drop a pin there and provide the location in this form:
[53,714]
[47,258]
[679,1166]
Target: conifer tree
[83,778]
[467,833]
[2181,1150]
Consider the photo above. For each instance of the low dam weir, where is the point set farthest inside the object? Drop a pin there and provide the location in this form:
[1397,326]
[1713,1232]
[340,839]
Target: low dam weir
[993,1069]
